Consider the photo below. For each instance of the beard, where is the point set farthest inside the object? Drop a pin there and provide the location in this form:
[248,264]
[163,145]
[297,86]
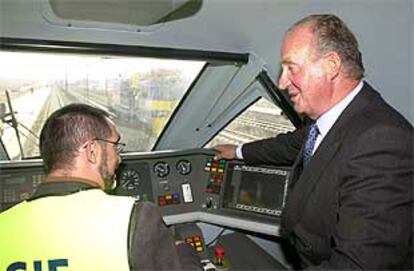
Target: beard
[107,176]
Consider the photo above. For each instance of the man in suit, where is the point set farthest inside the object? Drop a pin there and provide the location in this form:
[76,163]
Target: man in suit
[350,201]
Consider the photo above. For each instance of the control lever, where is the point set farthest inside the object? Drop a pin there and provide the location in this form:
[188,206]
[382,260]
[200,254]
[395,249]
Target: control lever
[221,263]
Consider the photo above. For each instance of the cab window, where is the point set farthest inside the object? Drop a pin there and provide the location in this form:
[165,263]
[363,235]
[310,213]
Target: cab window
[140,94]
[262,119]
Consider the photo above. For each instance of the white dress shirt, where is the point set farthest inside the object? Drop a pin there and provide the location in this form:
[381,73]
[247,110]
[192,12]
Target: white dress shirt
[325,121]
[328,119]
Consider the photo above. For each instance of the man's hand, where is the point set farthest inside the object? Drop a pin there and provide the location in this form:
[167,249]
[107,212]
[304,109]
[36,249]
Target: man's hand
[225,151]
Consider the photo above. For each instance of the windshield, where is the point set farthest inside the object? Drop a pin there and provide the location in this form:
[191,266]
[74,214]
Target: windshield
[140,93]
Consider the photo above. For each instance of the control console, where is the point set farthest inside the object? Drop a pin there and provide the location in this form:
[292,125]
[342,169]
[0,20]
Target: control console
[187,186]
[190,185]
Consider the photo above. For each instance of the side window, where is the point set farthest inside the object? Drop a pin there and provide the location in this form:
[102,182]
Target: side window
[262,119]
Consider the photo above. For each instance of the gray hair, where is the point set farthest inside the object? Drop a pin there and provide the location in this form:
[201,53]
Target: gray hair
[332,34]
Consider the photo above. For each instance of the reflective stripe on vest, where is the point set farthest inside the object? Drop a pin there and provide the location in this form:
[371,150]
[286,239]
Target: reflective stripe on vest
[86,231]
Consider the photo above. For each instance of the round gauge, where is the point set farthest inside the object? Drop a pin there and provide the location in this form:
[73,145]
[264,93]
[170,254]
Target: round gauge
[129,179]
[161,169]
[183,167]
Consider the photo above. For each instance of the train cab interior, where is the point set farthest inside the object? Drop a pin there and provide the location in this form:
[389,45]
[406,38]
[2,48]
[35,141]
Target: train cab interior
[178,77]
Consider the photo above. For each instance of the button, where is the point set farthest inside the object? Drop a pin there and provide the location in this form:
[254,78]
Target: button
[176,196]
[161,201]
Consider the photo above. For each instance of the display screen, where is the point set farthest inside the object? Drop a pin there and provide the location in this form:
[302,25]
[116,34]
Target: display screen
[260,190]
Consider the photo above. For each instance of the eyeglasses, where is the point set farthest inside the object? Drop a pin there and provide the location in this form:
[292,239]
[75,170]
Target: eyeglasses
[119,145]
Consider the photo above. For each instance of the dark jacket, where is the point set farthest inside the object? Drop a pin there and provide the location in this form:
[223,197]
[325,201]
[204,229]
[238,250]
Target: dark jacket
[352,206]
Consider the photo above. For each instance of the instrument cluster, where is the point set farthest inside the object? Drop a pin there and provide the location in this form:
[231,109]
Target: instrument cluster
[162,177]
[130,178]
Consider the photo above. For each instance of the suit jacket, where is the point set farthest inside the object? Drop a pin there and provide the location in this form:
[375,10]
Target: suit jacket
[352,206]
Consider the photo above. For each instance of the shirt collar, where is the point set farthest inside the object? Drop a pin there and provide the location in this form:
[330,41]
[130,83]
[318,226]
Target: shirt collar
[327,120]
[62,186]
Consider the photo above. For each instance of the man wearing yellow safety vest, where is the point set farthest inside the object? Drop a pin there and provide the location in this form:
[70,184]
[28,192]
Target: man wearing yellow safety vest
[70,223]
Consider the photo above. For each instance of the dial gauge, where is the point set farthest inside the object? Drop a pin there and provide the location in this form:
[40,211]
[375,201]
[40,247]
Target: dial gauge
[183,167]
[161,169]
[130,179]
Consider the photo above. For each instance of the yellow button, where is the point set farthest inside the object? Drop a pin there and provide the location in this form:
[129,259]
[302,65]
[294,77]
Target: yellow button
[198,249]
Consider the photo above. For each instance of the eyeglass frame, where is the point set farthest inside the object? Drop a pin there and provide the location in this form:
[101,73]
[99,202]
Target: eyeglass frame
[119,145]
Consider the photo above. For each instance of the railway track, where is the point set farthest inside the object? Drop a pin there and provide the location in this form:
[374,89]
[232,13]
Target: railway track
[264,124]
[246,129]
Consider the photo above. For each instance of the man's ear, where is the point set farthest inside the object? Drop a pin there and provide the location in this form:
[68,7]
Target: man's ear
[91,152]
[332,64]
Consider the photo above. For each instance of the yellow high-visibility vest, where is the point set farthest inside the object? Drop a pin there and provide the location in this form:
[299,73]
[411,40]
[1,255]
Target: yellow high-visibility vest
[84,231]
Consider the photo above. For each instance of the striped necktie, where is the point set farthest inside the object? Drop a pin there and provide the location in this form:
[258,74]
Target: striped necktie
[310,143]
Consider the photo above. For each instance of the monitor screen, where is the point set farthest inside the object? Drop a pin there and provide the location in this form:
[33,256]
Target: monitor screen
[260,190]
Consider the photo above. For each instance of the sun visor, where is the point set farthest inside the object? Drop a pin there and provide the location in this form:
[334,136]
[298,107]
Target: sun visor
[130,15]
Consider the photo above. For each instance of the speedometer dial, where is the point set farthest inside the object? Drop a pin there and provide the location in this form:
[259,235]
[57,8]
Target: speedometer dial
[130,179]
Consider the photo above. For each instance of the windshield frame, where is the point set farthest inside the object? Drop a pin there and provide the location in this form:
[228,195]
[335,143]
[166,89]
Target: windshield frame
[56,46]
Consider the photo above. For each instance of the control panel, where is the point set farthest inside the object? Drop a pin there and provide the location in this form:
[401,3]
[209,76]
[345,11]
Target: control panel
[186,185]
[18,181]
[174,180]
[190,185]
